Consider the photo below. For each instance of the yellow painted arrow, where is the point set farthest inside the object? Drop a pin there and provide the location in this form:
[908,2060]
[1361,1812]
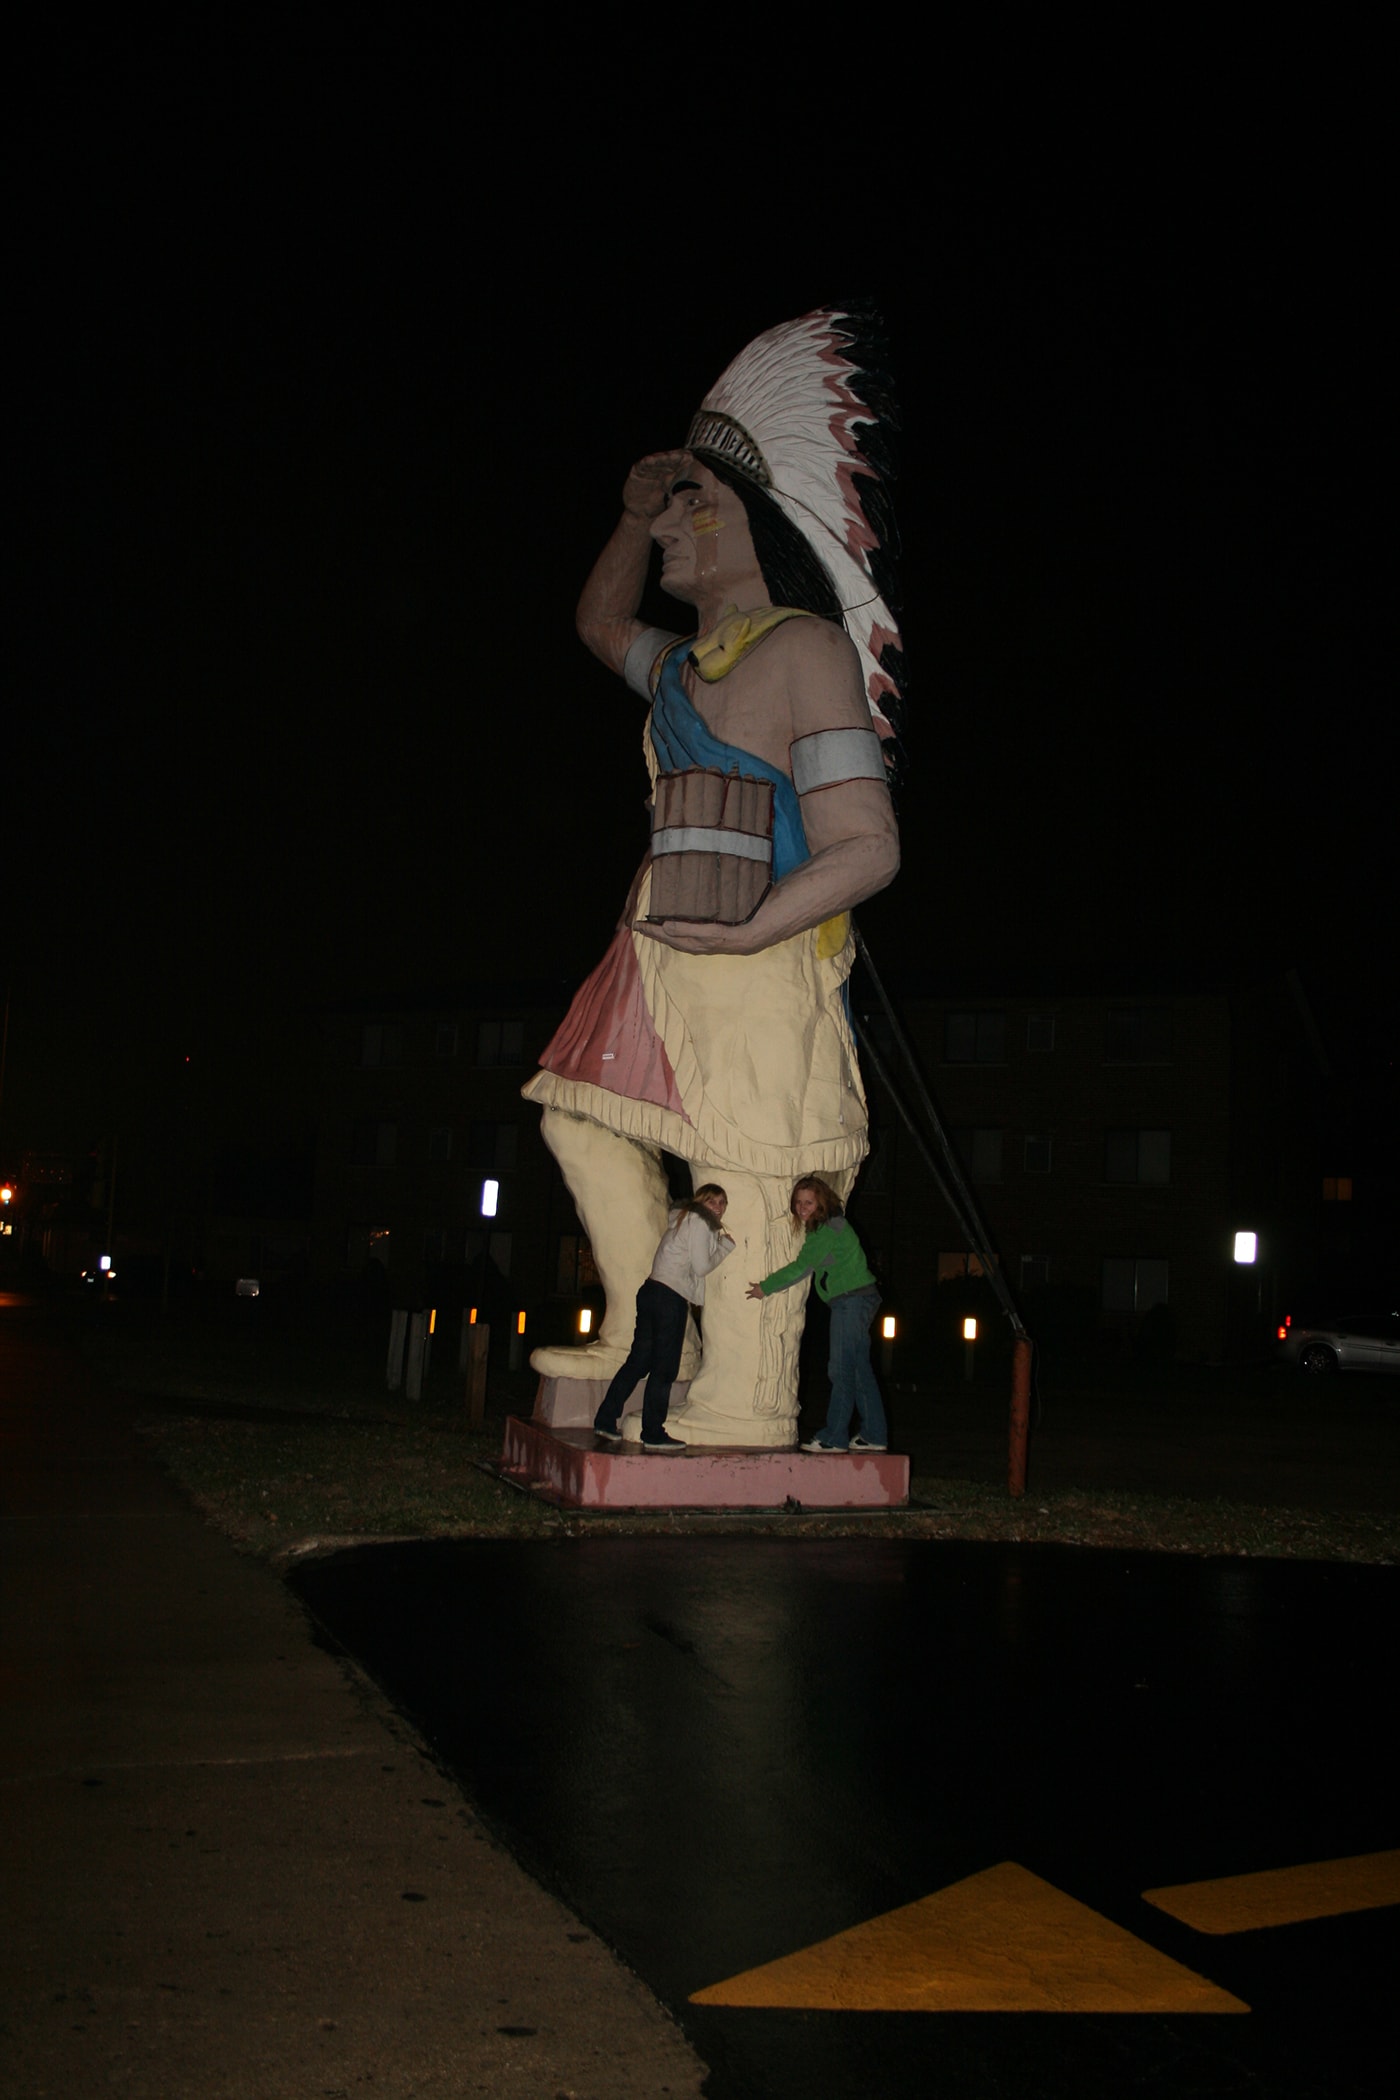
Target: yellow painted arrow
[1001,1941]
[1328,1888]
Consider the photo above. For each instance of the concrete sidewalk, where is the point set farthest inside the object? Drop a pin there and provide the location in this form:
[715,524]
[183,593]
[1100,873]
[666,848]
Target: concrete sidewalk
[228,1870]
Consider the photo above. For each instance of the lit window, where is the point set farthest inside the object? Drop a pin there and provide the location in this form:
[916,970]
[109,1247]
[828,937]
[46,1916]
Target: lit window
[365,1244]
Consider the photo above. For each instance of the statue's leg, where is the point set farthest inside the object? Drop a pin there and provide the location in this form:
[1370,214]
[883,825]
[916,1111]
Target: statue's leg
[746,1390]
[620,1194]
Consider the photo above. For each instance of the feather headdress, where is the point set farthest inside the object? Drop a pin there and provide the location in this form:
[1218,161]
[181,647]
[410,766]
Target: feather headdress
[807,414]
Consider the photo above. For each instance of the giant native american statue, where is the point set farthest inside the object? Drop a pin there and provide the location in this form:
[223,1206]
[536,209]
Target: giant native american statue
[715,1028]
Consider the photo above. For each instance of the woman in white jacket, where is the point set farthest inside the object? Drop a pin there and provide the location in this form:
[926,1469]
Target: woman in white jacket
[691,1246]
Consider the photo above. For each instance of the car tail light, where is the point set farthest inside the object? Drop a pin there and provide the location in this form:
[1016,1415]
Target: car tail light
[1283,1332]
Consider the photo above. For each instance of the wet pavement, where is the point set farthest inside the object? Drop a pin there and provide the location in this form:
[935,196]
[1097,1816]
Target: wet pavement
[724,1752]
[228,1870]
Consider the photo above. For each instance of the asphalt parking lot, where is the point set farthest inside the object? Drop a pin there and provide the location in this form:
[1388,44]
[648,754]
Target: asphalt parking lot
[869,1815]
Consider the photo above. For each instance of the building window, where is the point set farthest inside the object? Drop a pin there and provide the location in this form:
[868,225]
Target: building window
[374,1144]
[1141,1157]
[1040,1031]
[495,1246]
[1035,1271]
[500,1043]
[364,1244]
[440,1143]
[975,1039]
[1038,1153]
[952,1268]
[981,1151]
[1138,1035]
[1133,1285]
[445,1040]
[1336,1188]
[574,1267]
[381,1043]
[492,1148]
[435,1243]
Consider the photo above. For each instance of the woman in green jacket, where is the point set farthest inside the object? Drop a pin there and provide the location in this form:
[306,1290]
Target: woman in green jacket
[832,1254]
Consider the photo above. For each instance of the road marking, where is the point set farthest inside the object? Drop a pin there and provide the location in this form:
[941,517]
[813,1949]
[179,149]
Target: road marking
[1329,1888]
[1001,1941]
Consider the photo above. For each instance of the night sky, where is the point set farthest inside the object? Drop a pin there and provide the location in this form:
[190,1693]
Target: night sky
[339,336]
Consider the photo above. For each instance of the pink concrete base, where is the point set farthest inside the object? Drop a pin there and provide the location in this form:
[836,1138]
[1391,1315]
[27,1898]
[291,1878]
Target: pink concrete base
[571,1467]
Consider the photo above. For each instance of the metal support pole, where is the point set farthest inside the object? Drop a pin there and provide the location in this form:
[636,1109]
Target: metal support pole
[1020,1413]
[398,1328]
[417,1345]
[478,1349]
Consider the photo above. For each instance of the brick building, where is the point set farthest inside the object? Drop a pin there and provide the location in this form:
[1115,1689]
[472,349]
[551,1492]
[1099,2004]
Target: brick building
[1115,1146]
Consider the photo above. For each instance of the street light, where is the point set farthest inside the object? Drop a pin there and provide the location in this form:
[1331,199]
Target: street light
[969,1339]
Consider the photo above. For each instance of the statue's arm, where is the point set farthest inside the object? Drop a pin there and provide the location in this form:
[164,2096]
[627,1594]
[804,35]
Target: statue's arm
[607,611]
[849,821]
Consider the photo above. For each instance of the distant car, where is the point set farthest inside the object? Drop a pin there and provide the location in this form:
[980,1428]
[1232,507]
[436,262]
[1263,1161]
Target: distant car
[1358,1342]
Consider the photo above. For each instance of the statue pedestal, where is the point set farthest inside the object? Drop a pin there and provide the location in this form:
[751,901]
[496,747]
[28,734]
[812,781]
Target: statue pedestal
[568,1466]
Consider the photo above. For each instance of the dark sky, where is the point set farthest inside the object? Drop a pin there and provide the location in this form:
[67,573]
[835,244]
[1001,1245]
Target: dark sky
[340,336]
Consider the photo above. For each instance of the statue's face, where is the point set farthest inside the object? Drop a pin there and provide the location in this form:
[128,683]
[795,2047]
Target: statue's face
[706,546]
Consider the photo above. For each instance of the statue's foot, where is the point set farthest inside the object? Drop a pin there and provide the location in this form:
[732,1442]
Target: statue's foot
[598,1360]
[718,1423]
[703,1431]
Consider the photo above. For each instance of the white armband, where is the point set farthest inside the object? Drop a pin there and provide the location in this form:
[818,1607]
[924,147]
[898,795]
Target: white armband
[642,654]
[830,756]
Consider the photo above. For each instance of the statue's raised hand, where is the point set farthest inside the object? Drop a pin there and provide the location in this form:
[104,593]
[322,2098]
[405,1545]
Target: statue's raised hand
[647,489]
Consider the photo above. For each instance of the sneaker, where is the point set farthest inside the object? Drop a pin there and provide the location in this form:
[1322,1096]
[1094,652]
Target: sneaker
[858,1443]
[818,1445]
[609,1436]
[663,1443]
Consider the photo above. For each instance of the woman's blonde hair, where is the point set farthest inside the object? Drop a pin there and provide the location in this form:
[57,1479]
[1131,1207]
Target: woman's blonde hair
[697,1201]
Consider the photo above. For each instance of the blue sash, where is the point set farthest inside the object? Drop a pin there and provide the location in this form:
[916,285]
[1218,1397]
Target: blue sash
[681,740]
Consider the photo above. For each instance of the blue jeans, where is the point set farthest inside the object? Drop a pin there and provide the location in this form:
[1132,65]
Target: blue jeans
[657,1341]
[853,1387]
